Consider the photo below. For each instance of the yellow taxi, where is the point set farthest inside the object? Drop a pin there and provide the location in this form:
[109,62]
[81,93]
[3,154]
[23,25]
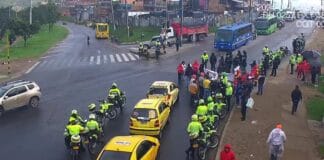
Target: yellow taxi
[166,90]
[149,117]
[130,148]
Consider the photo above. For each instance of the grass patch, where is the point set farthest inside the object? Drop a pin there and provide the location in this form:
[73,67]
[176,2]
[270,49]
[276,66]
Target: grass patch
[212,29]
[121,33]
[321,148]
[38,44]
[315,109]
[2,43]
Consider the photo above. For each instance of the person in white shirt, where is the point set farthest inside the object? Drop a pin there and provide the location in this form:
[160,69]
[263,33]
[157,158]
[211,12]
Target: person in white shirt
[276,140]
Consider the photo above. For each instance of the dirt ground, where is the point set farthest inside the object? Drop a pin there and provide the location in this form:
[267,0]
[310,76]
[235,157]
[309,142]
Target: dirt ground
[17,68]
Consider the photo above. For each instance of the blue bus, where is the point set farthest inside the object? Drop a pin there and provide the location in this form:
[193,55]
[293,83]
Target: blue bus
[231,37]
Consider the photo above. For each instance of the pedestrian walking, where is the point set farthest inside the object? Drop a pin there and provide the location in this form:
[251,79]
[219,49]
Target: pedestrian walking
[88,40]
[228,62]
[201,85]
[313,74]
[275,65]
[195,67]
[178,44]
[292,62]
[180,70]
[296,96]
[276,140]
[206,85]
[245,96]
[188,73]
[244,59]
[238,92]
[261,80]
[213,61]
[227,153]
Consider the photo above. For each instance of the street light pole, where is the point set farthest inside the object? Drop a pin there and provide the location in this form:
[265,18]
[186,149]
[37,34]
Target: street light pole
[112,13]
[127,18]
[250,9]
[31,12]
[181,22]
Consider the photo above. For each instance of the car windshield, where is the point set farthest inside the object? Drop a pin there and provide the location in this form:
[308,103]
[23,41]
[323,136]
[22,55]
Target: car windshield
[102,28]
[144,114]
[160,90]
[114,155]
[155,39]
[2,91]
[261,24]
[224,35]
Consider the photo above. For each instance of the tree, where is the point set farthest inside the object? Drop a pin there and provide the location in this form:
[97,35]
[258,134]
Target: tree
[52,14]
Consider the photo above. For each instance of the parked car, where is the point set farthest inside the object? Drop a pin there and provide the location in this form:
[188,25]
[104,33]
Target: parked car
[130,148]
[168,41]
[19,93]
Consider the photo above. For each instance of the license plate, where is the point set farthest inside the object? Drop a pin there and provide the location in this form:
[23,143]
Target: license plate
[195,145]
[75,147]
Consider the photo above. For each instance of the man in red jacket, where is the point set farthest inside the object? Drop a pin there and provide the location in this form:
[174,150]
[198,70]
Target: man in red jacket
[195,67]
[180,70]
[227,153]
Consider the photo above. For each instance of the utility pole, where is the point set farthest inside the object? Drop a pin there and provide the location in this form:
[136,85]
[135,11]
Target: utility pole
[281,4]
[31,12]
[127,18]
[250,9]
[112,13]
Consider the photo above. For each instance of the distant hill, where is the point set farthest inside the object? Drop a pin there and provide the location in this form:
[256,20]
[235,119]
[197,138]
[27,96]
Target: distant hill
[22,3]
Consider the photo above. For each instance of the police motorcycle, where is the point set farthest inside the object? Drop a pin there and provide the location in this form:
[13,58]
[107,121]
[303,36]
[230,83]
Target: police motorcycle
[221,109]
[75,147]
[92,138]
[117,101]
[107,110]
[208,138]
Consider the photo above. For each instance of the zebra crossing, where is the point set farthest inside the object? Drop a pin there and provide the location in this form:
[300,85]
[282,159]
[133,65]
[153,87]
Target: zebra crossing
[111,58]
[54,63]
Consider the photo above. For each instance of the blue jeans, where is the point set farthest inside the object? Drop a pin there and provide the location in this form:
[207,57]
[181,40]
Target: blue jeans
[206,93]
[260,89]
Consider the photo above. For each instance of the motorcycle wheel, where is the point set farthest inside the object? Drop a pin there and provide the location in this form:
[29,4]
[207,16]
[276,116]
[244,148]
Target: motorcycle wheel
[214,140]
[92,147]
[202,153]
[223,113]
[112,113]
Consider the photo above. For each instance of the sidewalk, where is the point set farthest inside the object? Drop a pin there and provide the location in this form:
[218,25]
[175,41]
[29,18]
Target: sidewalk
[248,138]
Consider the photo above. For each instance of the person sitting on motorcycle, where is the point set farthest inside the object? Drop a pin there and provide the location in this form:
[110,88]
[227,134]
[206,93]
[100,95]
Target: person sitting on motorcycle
[194,129]
[219,105]
[115,91]
[75,116]
[93,126]
[201,109]
[211,114]
[73,128]
[104,106]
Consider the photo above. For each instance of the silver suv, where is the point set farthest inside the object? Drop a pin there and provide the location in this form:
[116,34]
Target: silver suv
[17,94]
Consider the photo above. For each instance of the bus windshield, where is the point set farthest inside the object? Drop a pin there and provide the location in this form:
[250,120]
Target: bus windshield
[224,35]
[102,28]
[261,24]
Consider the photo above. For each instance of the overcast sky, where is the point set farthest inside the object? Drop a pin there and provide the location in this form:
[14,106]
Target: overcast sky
[305,5]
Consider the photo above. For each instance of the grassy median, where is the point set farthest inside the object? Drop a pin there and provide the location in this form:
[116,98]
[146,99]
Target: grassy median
[135,33]
[37,45]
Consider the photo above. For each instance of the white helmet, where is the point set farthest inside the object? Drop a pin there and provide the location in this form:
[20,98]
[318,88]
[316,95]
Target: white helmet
[74,111]
[92,116]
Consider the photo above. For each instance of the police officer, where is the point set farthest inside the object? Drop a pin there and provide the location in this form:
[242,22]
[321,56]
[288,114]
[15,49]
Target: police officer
[265,50]
[299,58]
[73,128]
[204,59]
[202,109]
[194,129]
[157,49]
[141,47]
[93,126]
[292,62]
[228,93]
[76,117]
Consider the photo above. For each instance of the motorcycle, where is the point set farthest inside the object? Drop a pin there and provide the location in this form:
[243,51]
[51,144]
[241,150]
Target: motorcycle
[91,142]
[117,101]
[110,113]
[75,148]
[208,139]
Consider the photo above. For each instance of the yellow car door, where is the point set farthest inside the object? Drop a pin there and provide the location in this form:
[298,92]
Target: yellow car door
[165,112]
[147,150]
[174,93]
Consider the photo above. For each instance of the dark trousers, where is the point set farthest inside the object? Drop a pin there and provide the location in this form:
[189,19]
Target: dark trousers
[237,99]
[313,78]
[177,46]
[228,102]
[274,72]
[243,111]
[191,149]
[201,92]
[180,75]
[260,89]
[213,66]
[294,107]
[292,68]
[204,63]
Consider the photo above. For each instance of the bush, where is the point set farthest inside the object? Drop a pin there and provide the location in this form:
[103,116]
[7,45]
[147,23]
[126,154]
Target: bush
[315,109]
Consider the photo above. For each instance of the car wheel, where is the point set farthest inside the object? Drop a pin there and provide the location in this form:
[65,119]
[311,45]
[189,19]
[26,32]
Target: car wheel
[34,102]
[1,111]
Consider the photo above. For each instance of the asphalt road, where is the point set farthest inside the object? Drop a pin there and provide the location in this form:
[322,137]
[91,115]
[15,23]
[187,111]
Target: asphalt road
[38,133]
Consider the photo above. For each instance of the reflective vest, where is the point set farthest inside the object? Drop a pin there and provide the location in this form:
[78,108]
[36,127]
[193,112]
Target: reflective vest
[194,127]
[201,110]
[266,50]
[204,57]
[92,125]
[299,58]
[114,91]
[210,106]
[74,129]
[229,91]
[292,59]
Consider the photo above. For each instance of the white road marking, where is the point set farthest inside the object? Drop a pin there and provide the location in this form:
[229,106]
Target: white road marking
[98,60]
[118,58]
[99,51]
[105,59]
[130,55]
[91,59]
[32,67]
[125,57]
[112,58]
[137,56]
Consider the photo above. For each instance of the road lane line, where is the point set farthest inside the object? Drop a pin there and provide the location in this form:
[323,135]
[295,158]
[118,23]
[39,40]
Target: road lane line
[98,60]
[112,58]
[32,67]
[118,58]
[137,56]
[91,59]
[125,57]
[130,55]
[105,59]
